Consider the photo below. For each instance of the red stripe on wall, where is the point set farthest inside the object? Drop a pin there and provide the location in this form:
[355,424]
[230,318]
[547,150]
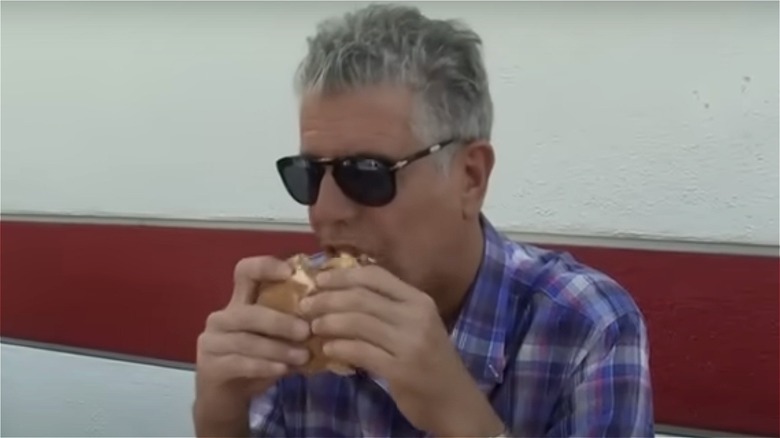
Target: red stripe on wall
[713,319]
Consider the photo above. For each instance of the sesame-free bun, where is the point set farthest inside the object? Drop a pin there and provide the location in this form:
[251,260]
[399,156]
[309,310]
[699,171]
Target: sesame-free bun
[285,296]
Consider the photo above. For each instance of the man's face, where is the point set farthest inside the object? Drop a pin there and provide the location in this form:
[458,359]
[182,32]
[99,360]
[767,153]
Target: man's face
[410,235]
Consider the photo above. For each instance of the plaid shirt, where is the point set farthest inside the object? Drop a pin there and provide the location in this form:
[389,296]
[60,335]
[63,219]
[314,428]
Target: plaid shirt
[580,367]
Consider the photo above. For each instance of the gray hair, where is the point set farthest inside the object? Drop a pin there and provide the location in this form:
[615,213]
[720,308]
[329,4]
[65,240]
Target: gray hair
[440,61]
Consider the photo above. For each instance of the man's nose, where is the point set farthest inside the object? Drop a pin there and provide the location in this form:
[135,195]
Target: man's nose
[332,204]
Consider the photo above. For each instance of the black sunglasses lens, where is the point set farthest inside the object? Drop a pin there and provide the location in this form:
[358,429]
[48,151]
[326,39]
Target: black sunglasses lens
[301,178]
[366,181]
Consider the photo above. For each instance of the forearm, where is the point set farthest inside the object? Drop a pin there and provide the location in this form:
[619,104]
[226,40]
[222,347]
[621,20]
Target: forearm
[487,425]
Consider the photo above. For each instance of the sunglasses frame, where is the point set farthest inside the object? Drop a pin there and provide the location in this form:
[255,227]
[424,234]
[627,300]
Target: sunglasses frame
[391,167]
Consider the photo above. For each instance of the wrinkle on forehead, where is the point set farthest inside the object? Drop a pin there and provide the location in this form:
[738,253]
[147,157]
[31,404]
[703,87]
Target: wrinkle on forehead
[375,120]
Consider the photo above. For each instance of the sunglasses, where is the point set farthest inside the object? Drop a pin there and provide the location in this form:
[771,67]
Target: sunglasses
[365,179]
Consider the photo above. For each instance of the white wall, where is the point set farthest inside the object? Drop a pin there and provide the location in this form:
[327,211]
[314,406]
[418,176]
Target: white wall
[651,119]
[46,393]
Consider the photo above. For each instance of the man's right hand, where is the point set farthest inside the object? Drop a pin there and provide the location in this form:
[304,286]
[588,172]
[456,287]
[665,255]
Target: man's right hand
[243,350]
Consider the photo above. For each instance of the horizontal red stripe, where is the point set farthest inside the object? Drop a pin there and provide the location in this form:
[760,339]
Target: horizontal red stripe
[146,291]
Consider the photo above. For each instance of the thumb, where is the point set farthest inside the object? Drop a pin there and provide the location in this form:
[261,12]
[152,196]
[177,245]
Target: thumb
[253,271]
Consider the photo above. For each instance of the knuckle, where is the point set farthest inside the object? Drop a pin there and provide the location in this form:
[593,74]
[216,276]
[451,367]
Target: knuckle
[235,342]
[369,269]
[275,324]
[274,321]
[248,369]
[263,348]
[252,319]
[361,273]
[254,369]
[426,308]
[248,265]
[213,320]
[240,269]
[238,314]
[346,276]
[234,366]
[252,345]
[203,341]
[224,366]
[427,303]
[336,277]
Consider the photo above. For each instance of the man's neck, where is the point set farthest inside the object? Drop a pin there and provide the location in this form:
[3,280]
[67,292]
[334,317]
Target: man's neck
[461,274]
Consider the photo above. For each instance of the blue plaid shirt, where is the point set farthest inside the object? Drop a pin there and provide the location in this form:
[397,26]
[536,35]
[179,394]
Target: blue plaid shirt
[559,348]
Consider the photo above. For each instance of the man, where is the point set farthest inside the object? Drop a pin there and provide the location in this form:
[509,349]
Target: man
[458,331]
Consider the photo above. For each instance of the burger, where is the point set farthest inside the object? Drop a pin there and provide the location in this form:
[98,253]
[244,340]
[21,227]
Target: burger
[285,297]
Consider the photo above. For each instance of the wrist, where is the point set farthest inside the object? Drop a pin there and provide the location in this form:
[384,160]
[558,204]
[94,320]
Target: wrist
[477,420]
[229,394]
[220,414]
[216,405]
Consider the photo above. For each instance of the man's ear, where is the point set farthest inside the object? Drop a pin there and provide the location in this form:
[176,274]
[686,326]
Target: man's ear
[476,162]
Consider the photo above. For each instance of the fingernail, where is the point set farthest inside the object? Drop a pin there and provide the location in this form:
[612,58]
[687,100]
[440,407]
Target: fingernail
[315,326]
[305,305]
[327,348]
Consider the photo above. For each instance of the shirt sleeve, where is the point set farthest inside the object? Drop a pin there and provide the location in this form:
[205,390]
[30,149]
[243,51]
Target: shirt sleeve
[266,418]
[610,394]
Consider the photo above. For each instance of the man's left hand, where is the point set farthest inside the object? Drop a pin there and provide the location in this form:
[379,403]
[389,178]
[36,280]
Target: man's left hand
[394,331]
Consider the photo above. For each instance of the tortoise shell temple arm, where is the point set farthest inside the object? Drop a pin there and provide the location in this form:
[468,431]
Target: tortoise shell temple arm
[421,154]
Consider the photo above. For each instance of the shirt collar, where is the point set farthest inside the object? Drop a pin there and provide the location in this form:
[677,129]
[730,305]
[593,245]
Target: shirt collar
[480,331]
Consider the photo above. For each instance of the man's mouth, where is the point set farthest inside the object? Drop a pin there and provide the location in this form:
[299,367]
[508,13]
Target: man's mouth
[334,250]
